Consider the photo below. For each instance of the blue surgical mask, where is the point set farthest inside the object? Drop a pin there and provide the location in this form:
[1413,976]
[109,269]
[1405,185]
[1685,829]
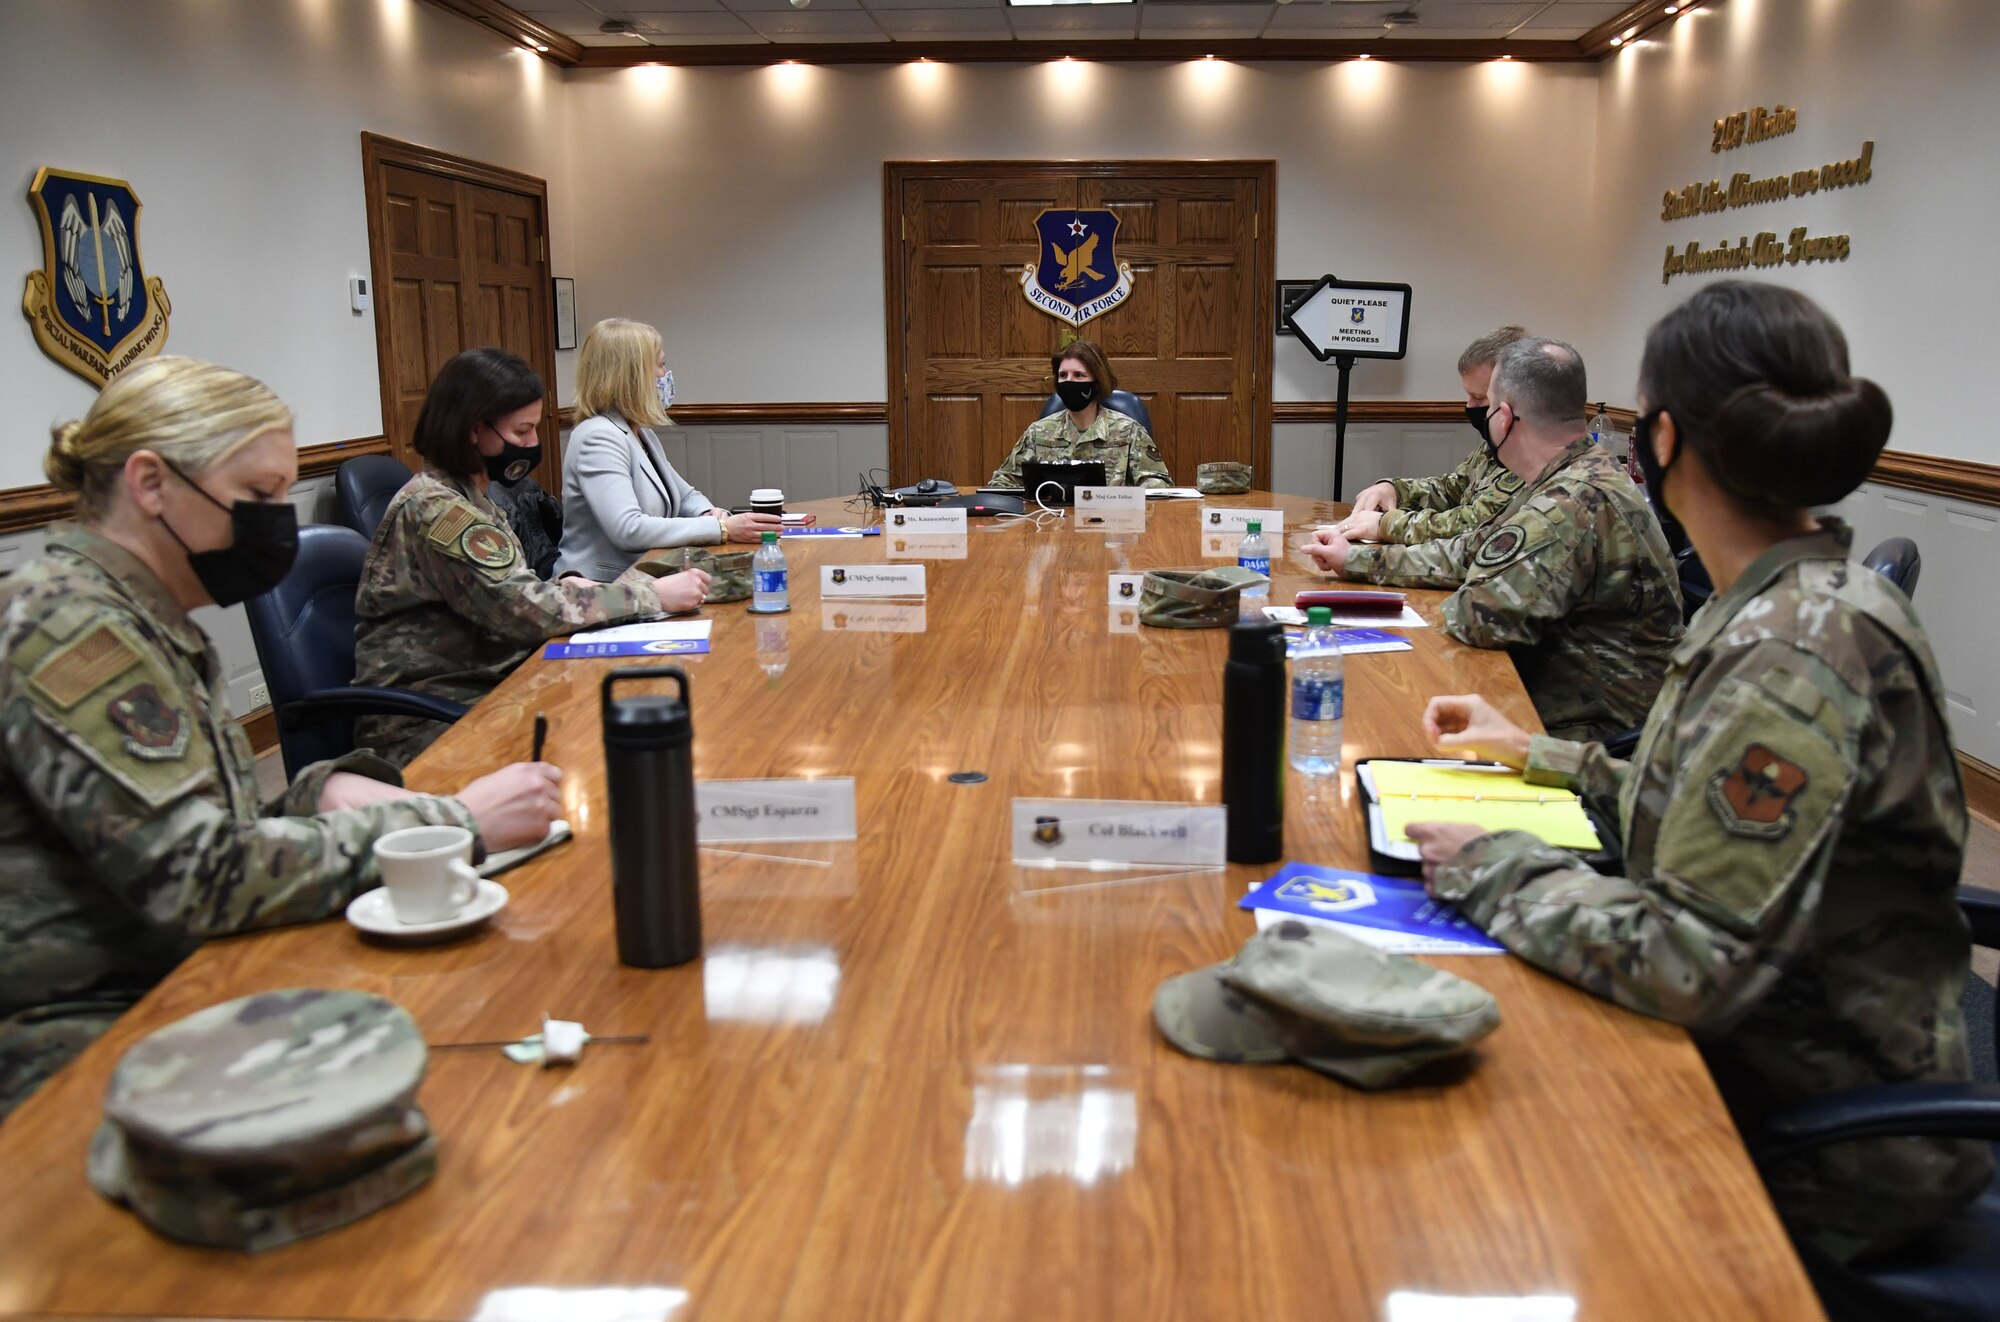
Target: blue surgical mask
[666,384]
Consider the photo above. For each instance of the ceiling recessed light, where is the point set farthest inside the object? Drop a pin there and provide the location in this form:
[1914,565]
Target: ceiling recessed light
[1364,55]
[1506,57]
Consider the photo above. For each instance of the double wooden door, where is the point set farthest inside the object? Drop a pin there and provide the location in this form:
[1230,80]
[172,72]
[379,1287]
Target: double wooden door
[460,256]
[969,355]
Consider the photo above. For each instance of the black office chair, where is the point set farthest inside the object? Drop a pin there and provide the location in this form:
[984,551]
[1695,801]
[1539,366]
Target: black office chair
[1118,401]
[1696,589]
[363,488]
[304,631]
[1899,561]
[1953,1273]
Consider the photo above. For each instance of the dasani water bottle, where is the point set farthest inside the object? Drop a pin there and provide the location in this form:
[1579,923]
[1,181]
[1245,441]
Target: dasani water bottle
[770,587]
[1318,696]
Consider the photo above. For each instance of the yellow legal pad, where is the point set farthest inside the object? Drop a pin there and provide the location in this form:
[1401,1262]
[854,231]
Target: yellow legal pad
[1497,800]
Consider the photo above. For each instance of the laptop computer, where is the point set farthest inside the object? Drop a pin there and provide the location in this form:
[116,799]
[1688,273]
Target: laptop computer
[1056,483]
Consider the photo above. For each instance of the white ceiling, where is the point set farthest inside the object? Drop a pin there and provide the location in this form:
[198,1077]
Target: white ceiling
[713,22]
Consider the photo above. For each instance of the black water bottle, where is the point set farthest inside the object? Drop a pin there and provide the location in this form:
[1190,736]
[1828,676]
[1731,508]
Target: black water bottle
[649,769]
[1253,741]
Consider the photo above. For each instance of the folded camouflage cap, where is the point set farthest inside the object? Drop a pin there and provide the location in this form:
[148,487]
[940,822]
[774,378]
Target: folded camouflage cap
[1224,477]
[728,571]
[1317,997]
[1195,598]
[266,1119]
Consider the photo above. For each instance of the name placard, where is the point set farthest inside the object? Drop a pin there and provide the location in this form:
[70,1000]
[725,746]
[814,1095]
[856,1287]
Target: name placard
[1126,589]
[1231,518]
[741,810]
[871,580]
[928,546]
[925,520]
[871,617]
[1107,834]
[1111,498]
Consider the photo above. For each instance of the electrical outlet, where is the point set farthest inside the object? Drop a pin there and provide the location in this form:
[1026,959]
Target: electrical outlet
[260,696]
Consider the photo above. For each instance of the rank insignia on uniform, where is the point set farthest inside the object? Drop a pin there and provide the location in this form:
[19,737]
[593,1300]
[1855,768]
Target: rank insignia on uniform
[1755,797]
[1501,546]
[1078,276]
[840,575]
[92,307]
[1048,831]
[486,546]
[154,731]
[1125,589]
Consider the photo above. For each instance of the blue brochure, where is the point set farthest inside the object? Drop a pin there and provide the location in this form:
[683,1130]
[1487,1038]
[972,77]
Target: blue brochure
[1393,912]
[831,532]
[656,647]
[1354,641]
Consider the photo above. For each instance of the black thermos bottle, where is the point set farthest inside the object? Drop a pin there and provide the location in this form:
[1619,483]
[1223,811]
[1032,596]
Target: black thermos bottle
[1253,741]
[649,767]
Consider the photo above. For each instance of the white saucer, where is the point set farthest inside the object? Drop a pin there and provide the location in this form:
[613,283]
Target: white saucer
[371,913]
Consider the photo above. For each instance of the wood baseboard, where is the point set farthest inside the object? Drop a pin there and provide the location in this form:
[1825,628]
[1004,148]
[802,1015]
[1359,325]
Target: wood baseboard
[262,727]
[1982,789]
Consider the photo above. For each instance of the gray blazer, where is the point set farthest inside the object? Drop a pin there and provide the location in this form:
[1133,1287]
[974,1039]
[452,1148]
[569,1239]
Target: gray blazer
[621,498]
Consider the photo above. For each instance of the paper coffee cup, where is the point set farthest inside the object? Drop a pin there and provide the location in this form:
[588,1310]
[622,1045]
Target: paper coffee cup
[428,872]
[767,500]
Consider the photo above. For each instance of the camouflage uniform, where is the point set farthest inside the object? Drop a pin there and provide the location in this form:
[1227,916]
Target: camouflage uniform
[129,823]
[1573,579]
[1793,827]
[1467,497]
[449,606]
[1127,449]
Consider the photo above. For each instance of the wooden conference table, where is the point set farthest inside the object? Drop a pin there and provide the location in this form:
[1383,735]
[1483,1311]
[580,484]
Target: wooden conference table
[906,1083]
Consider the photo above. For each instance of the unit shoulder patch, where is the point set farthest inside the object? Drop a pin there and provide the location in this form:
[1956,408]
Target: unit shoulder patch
[486,546]
[155,731]
[1754,798]
[1505,543]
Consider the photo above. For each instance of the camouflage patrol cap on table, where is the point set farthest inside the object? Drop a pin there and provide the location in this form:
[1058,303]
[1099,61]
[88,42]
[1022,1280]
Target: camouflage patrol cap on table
[1195,598]
[267,1119]
[728,572]
[1324,1000]
[1224,477]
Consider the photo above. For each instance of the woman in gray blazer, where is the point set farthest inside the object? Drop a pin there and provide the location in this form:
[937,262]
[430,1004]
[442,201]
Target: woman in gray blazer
[621,498]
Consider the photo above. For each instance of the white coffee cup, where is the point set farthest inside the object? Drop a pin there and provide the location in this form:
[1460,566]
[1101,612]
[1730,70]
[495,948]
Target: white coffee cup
[428,872]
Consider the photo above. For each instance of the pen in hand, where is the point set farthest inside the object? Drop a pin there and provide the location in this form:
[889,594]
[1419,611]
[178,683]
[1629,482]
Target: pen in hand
[541,734]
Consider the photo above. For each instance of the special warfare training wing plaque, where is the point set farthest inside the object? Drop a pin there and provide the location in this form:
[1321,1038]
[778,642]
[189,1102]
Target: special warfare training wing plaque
[92,307]
[1079,275]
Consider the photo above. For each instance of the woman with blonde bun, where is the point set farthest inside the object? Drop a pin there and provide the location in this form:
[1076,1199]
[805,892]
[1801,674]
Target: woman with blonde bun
[621,498]
[130,829]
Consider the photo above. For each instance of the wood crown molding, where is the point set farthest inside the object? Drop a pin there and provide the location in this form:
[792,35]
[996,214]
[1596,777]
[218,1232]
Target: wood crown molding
[1139,49]
[22,508]
[535,37]
[1608,37]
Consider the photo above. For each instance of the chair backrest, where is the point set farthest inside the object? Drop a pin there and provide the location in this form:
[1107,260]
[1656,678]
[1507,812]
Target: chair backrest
[1118,401]
[363,488]
[304,631]
[1899,561]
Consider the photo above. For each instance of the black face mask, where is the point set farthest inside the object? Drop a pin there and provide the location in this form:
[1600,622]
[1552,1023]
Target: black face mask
[264,541]
[513,463]
[1655,471]
[1076,395]
[1476,415]
[1486,432]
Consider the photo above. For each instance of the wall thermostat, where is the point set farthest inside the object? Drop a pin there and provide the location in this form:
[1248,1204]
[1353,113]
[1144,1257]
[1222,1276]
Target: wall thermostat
[357,294]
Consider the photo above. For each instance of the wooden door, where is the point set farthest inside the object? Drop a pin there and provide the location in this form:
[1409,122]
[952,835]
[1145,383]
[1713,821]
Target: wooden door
[460,260]
[968,354]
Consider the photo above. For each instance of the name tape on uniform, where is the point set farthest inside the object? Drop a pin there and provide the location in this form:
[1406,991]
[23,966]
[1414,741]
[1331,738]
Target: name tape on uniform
[1107,834]
[743,810]
[1231,518]
[871,580]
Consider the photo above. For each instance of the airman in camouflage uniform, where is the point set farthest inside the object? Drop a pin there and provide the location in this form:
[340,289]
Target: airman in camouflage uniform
[1468,497]
[1573,579]
[129,823]
[449,606]
[1793,828]
[1126,448]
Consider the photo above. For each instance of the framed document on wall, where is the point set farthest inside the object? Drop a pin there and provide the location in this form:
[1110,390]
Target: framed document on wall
[565,303]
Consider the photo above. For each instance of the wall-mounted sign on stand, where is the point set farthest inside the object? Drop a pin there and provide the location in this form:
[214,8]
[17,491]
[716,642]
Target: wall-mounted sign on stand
[92,306]
[1078,275]
[1344,320]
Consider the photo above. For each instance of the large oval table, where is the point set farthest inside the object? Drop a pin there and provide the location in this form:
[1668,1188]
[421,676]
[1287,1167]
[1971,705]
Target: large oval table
[910,1080]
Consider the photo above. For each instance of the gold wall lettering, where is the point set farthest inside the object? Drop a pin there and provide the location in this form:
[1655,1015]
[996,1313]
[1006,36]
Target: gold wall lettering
[1698,199]
[1760,252]
[1754,125]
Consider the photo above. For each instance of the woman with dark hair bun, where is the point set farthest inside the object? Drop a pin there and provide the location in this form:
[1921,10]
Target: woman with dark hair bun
[448,603]
[1086,428]
[1793,822]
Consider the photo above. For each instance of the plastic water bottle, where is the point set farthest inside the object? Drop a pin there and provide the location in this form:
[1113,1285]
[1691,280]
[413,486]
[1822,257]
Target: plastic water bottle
[1254,554]
[1319,692]
[771,590]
